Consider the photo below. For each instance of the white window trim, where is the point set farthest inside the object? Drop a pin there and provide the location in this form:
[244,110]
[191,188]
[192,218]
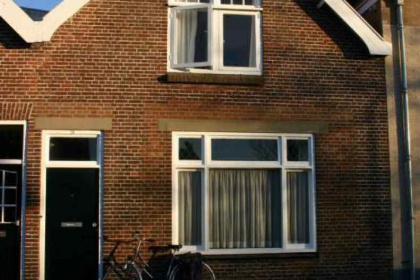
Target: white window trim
[206,164]
[215,27]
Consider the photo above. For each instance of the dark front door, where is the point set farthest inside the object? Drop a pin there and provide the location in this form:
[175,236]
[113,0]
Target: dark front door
[71,237]
[10,182]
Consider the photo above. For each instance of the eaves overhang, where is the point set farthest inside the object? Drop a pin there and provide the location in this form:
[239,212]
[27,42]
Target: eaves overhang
[372,39]
[38,31]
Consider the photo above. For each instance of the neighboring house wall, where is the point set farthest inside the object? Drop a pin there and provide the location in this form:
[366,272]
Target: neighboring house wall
[399,192]
[109,61]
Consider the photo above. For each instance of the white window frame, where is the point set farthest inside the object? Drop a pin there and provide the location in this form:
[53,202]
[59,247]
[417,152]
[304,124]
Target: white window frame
[215,29]
[207,163]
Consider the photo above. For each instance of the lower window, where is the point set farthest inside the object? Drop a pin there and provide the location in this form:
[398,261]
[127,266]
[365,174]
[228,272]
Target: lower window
[243,193]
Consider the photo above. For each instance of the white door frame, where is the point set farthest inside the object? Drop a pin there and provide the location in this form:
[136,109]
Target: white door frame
[46,163]
[23,161]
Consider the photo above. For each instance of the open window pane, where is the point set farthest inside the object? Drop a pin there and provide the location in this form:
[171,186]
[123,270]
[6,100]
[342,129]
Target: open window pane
[190,149]
[239,48]
[191,35]
[190,205]
[11,141]
[298,207]
[73,149]
[245,209]
[244,150]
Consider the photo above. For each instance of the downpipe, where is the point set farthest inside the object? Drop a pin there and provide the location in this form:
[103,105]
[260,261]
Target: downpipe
[407,132]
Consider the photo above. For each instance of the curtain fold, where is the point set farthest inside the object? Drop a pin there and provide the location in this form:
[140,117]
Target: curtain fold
[187,32]
[243,205]
[297,190]
[189,212]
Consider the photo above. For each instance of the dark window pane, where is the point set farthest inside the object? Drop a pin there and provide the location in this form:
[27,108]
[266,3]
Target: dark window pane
[189,215]
[226,2]
[11,141]
[239,41]
[10,214]
[237,2]
[244,149]
[249,2]
[11,178]
[10,196]
[297,150]
[73,149]
[298,207]
[190,148]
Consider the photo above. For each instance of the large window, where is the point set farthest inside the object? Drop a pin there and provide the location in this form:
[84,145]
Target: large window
[243,193]
[215,36]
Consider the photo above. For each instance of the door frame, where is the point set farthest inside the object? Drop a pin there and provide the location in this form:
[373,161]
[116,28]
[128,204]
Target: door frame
[46,163]
[23,162]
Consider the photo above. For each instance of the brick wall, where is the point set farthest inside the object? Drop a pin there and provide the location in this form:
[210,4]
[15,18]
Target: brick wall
[108,60]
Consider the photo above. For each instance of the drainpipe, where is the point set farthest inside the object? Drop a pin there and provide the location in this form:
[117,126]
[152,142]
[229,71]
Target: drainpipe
[407,133]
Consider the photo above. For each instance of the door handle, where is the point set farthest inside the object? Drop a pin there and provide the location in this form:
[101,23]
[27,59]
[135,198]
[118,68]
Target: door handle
[94,225]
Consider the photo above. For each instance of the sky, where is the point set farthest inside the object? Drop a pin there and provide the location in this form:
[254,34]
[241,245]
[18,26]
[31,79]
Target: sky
[46,5]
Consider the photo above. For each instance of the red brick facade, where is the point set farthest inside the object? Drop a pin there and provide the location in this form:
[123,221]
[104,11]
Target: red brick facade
[109,60]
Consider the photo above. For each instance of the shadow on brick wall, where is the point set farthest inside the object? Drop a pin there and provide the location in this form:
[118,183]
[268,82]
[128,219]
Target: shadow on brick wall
[9,38]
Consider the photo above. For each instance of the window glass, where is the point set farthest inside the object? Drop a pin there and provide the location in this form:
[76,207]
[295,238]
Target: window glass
[11,141]
[192,36]
[298,207]
[193,1]
[190,205]
[10,196]
[244,149]
[239,49]
[73,149]
[297,150]
[245,209]
[238,2]
[9,214]
[190,149]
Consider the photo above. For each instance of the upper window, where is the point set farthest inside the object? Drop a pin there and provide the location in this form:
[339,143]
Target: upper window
[243,193]
[215,36]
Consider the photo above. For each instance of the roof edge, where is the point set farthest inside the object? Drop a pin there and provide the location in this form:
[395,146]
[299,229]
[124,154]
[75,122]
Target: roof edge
[372,39]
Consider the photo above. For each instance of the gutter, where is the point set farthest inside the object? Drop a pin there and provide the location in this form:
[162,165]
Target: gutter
[407,133]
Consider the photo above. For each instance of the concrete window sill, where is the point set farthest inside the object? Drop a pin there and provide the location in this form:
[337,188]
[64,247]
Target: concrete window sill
[190,78]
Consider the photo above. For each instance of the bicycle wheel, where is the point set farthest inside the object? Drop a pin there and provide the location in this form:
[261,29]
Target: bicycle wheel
[206,273]
[132,272]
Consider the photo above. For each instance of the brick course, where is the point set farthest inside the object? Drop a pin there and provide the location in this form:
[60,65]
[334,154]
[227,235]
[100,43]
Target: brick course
[107,61]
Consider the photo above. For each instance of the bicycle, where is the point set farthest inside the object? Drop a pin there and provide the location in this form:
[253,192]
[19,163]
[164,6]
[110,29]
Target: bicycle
[135,268]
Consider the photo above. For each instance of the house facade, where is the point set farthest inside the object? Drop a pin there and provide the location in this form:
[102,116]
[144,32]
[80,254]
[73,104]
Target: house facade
[254,133]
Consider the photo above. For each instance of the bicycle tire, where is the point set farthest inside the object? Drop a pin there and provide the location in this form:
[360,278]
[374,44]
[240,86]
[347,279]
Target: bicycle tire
[206,273]
[126,271]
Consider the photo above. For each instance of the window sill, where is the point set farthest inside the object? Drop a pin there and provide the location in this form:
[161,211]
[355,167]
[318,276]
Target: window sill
[307,255]
[190,78]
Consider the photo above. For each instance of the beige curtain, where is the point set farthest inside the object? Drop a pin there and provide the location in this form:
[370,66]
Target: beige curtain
[245,209]
[189,212]
[187,32]
[298,208]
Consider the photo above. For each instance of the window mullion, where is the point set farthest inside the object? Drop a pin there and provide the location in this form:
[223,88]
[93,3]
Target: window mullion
[284,207]
[206,220]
